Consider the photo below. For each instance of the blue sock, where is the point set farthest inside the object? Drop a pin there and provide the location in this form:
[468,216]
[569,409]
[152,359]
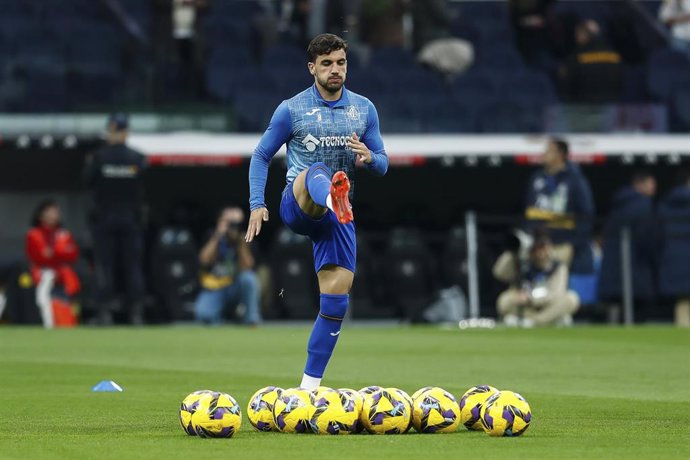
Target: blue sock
[325,334]
[318,183]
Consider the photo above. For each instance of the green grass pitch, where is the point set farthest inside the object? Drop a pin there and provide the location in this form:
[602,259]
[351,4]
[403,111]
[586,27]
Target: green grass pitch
[595,392]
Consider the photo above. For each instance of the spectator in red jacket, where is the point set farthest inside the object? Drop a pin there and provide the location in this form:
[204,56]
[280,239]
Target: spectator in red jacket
[51,247]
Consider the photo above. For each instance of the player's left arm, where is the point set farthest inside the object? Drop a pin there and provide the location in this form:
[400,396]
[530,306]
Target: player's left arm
[369,149]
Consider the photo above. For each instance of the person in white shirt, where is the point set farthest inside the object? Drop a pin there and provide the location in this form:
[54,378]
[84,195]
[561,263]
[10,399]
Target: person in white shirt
[676,15]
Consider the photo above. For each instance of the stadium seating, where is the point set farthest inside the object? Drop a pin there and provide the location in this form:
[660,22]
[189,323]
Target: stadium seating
[284,57]
[499,57]
[512,118]
[681,99]
[391,59]
[410,273]
[81,39]
[367,300]
[175,271]
[292,268]
[668,70]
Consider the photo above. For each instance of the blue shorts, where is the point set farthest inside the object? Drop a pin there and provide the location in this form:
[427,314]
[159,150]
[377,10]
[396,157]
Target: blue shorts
[334,243]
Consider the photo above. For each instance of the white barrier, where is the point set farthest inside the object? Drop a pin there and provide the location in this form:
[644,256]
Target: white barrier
[199,147]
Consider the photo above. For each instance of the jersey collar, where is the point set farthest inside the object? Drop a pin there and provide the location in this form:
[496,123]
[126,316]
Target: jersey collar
[344,100]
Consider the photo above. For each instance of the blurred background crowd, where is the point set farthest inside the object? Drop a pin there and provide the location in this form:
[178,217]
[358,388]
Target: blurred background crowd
[557,241]
[490,57]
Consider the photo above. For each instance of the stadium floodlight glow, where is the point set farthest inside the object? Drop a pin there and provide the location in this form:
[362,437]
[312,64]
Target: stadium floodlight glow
[674,159]
[447,161]
[628,159]
[471,160]
[495,160]
[651,158]
[23,141]
[70,141]
[46,141]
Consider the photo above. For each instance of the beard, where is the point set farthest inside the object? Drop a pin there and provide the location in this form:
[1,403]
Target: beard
[331,86]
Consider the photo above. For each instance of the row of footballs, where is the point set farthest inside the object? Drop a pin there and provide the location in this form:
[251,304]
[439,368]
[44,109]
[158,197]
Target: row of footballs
[377,410]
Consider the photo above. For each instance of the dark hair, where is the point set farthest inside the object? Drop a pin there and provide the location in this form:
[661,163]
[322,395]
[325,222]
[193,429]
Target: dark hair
[641,176]
[562,146]
[540,237]
[42,206]
[325,44]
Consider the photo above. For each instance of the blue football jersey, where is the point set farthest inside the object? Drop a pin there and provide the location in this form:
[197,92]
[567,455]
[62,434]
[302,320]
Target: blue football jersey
[316,130]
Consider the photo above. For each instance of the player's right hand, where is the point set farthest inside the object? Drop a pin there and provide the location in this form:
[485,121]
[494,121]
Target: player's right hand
[256,218]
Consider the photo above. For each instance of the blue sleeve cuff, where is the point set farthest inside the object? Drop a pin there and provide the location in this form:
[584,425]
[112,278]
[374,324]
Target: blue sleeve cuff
[379,163]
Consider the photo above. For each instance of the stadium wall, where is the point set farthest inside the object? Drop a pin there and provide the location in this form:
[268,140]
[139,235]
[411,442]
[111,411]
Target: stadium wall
[432,181]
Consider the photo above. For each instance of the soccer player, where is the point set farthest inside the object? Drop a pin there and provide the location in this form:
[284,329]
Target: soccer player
[327,129]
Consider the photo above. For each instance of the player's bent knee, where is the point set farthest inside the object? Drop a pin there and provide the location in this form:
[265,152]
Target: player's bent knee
[303,198]
[299,187]
[335,280]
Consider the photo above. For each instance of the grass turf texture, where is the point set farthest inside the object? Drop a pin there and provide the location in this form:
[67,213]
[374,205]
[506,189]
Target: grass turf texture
[594,392]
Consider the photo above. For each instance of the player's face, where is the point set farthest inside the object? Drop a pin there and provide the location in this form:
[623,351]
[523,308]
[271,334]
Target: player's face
[329,70]
[50,216]
[648,186]
[541,254]
[552,156]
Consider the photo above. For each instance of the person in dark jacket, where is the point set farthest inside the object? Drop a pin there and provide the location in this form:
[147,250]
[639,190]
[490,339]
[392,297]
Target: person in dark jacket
[674,269]
[633,206]
[114,174]
[592,73]
[532,22]
[559,197]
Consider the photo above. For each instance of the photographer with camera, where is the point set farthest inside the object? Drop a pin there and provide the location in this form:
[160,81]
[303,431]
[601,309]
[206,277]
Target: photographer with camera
[538,293]
[227,272]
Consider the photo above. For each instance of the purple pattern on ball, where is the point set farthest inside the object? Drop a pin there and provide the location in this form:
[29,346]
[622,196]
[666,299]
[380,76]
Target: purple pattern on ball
[463,401]
[508,415]
[488,420]
[527,417]
[301,427]
[448,414]
[226,432]
[378,419]
[280,422]
[263,426]
[189,429]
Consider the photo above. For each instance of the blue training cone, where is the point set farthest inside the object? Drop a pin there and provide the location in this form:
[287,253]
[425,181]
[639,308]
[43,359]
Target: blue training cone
[107,385]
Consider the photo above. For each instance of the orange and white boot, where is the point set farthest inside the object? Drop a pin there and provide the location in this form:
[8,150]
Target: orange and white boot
[340,189]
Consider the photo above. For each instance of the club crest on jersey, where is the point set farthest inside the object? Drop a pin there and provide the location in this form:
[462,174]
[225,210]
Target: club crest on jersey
[310,142]
[353,113]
